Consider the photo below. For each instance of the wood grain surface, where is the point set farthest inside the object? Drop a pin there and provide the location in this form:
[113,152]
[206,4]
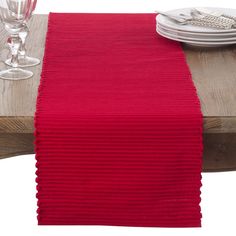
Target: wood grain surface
[213,72]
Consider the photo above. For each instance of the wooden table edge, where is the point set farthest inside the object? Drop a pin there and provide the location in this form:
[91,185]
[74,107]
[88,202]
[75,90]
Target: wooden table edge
[25,124]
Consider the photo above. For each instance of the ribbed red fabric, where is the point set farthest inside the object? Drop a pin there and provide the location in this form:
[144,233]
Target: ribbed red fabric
[118,125]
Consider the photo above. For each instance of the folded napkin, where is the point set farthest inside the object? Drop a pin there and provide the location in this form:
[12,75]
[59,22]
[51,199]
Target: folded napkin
[118,125]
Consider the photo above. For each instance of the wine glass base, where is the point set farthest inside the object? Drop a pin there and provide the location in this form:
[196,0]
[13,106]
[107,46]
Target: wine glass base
[25,61]
[15,74]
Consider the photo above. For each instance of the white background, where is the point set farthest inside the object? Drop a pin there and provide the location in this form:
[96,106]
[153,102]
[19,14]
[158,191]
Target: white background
[44,6]
[17,175]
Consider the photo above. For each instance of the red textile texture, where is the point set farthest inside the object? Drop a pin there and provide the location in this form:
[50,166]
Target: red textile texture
[118,125]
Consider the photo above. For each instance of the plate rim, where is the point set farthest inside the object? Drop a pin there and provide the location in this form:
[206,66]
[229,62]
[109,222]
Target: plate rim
[199,39]
[198,33]
[195,42]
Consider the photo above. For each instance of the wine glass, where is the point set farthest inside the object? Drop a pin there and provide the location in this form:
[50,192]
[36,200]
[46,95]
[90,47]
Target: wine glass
[13,22]
[23,59]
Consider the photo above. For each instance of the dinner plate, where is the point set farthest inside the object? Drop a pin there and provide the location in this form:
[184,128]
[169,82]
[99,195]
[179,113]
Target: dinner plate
[195,42]
[203,34]
[181,35]
[194,29]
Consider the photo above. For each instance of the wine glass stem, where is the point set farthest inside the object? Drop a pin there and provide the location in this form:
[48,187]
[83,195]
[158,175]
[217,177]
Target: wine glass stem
[14,61]
[14,43]
[23,35]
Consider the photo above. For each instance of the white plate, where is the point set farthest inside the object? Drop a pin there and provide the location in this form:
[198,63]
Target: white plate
[190,28]
[195,43]
[181,35]
[205,34]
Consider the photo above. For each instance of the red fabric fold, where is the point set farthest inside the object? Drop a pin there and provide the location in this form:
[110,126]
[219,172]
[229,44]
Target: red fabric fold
[118,125]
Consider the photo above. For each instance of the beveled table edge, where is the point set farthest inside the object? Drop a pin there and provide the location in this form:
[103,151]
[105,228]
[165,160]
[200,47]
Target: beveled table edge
[25,124]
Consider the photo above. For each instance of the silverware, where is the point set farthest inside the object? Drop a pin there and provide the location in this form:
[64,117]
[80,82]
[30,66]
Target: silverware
[214,18]
[181,19]
[215,13]
[203,18]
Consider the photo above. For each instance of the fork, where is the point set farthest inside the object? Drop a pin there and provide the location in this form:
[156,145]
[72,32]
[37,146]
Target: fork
[181,19]
[201,18]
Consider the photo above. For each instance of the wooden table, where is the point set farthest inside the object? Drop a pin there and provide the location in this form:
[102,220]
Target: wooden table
[213,72]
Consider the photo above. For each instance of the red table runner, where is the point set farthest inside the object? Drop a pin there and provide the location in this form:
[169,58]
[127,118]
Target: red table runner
[118,125]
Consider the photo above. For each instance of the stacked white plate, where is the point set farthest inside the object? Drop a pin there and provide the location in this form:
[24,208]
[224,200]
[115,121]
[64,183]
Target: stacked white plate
[196,35]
